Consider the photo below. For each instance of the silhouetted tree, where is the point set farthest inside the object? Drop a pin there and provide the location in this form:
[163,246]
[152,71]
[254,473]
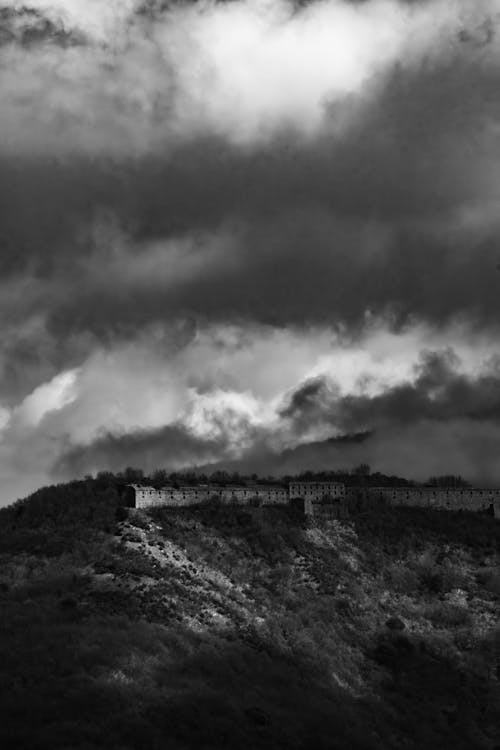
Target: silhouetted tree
[363,470]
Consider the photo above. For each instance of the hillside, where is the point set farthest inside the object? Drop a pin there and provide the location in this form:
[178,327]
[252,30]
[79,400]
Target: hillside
[214,628]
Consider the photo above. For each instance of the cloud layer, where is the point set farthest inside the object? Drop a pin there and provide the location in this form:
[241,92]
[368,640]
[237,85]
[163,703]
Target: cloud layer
[228,230]
[110,77]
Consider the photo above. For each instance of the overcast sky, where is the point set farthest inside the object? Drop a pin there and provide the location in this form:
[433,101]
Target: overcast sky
[232,233]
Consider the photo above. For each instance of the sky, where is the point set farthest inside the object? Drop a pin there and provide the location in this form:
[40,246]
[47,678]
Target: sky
[254,235]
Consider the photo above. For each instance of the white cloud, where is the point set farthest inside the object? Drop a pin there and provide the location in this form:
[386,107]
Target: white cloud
[226,382]
[4,417]
[241,70]
[48,397]
[252,67]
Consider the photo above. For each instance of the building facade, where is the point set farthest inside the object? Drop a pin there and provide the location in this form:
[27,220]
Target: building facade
[318,499]
[316,491]
[177,497]
[445,498]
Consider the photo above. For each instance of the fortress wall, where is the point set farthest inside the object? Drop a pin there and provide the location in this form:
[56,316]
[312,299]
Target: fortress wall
[316,495]
[316,490]
[185,496]
[147,497]
[450,498]
[266,495]
[361,498]
[236,495]
[273,495]
[232,496]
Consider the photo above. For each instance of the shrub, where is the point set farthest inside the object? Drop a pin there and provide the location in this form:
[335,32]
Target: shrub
[213,503]
[447,615]
[490,580]
[402,579]
[430,581]
[132,536]
[139,519]
[121,513]
[453,577]
[440,579]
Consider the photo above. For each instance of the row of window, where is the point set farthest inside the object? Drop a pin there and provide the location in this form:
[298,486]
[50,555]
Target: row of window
[426,493]
[176,493]
[314,491]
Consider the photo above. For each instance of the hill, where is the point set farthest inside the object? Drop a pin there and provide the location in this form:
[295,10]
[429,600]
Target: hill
[214,628]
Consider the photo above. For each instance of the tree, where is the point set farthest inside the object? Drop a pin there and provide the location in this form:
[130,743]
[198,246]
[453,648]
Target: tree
[159,477]
[133,475]
[363,470]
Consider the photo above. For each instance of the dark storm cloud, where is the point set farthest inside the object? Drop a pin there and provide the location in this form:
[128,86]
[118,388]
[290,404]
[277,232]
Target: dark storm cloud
[169,447]
[349,173]
[441,422]
[417,451]
[394,163]
[430,424]
[311,397]
[439,393]
[307,223]
[306,267]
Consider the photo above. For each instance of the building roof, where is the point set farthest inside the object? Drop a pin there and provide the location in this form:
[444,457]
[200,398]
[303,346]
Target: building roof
[320,484]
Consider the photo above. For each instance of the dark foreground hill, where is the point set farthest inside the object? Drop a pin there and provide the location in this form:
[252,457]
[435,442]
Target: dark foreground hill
[245,629]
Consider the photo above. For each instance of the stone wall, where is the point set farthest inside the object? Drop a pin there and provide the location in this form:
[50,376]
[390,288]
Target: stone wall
[261,494]
[147,497]
[316,491]
[446,498]
[177,497]
[317,496]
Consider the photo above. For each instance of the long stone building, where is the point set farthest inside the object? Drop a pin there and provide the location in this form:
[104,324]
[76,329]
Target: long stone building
[445,498]
[318,499]
[258,494]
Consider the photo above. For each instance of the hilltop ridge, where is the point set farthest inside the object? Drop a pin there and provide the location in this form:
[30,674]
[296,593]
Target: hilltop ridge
[239,628]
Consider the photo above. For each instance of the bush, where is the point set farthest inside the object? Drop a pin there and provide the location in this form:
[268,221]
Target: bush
[440,579]
[401,579]
[139,519]
[453,577]
[132,536]
[490,580]
[213,503]
[448,615]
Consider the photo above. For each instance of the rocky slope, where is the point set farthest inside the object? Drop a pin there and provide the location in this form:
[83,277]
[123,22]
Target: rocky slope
[216,628]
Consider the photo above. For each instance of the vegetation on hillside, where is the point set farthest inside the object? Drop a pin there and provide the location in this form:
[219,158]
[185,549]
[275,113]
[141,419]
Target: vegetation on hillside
[245,628]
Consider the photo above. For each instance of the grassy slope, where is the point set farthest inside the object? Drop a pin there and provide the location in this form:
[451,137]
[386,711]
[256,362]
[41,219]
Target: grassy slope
[247,629]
